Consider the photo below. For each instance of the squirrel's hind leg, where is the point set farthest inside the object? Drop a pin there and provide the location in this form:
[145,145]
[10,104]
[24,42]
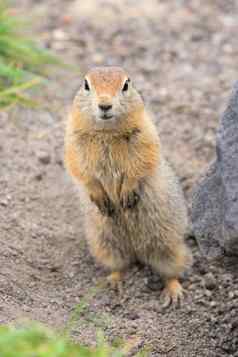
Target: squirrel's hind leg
[170,266]
[111,258]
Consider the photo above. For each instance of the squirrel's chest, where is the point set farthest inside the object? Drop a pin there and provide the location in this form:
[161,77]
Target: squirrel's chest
[105,159]
[109,165]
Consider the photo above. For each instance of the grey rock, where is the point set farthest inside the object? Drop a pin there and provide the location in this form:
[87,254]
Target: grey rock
[215,198]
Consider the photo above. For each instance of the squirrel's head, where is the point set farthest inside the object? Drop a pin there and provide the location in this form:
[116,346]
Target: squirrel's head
[107,97]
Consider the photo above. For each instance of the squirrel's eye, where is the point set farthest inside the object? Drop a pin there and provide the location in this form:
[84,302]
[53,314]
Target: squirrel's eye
[86,85]
[126,85]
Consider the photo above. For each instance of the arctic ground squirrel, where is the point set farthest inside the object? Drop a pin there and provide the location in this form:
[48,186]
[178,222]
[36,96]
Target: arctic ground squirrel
[135,210]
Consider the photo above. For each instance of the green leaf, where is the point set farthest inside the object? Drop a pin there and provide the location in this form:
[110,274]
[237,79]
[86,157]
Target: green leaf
[23,63]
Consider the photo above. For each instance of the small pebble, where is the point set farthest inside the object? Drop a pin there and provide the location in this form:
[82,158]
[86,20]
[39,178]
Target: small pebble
[152,283]
[59,162]
[71,274]
[212,319]
[202,269]
[210,281]
[213,304]
[67,19]
[39,177]
[235,293]
[208,293]
[44,158]
[3,203]
[60,35]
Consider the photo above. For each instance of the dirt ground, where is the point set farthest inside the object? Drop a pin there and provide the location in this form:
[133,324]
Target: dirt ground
[182,56]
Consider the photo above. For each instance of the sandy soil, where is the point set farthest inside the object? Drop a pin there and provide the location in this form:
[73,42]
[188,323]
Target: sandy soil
[183,58]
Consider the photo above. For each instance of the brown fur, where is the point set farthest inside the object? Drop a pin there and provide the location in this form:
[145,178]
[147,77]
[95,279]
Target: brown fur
[115,164]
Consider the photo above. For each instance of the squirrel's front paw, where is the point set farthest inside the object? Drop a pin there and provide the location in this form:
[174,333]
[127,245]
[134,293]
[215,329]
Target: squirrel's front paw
[130,199]
[105,205]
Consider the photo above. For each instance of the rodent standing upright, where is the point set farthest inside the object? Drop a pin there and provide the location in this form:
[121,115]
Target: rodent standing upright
[135,207]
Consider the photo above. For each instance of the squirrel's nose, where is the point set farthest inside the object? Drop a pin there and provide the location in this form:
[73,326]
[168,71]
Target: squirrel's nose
[105,107]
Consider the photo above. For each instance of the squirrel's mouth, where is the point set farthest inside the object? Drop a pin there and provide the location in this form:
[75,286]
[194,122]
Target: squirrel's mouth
[106,116]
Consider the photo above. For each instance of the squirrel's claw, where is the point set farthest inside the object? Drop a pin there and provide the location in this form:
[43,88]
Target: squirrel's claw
[172,294]
[115,280]
[105,206]
[130,200]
